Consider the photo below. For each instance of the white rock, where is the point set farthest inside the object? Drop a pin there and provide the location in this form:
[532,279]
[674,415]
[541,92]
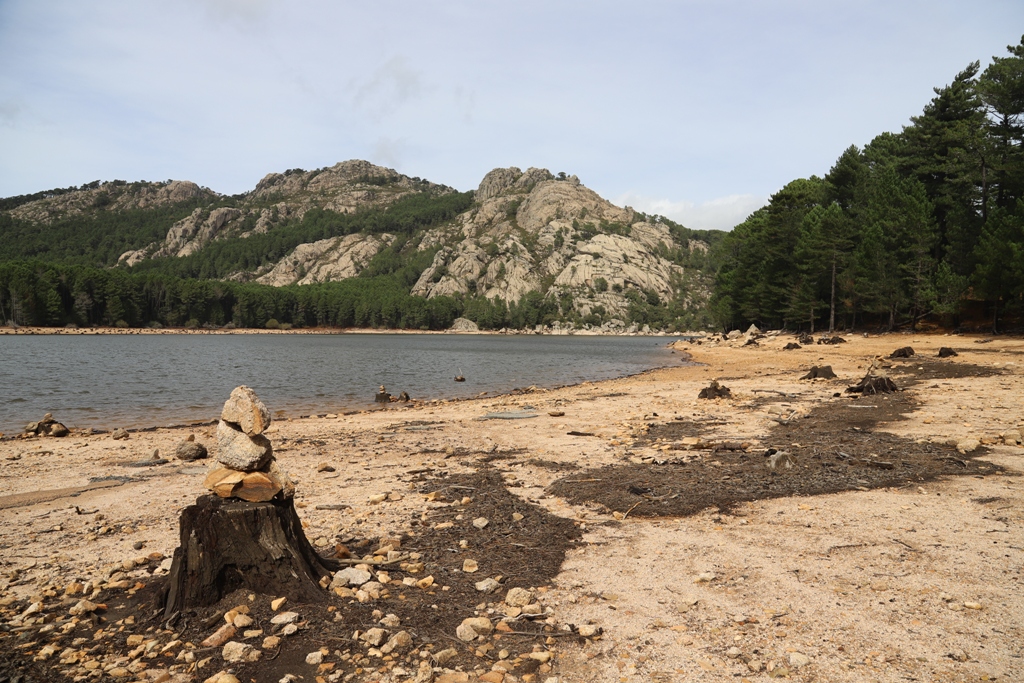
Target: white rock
[350,576]
[234,652]
[518,597]
[285,618]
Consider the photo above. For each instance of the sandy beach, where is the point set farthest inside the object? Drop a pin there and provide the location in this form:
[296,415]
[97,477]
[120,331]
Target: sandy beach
[887,546]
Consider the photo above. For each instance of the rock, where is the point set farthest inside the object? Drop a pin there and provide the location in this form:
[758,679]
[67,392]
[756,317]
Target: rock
[350,577]
[397,643]
[464,325]
[240,451]
[968,445]
[374,636]
[242,620]
[588,630]
[256,487]
[220,636]
[270,642]
[488,585]
[235,652]
[798,659]
[706,577]
[518,597]
[315,658]
[480,522]
[470,566]
[277,603]
[224,481]
[119,434]
[779,459]
[284,618]
[245,409]
[82,607]
[473,627]
[190,450]
[1012,437]
[222,677]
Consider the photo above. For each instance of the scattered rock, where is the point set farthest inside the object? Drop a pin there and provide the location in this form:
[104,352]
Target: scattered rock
[488,585]
[277,603]
[350,576]
[284,618]
[968,445]
[470,566]
[798,659]
[398,642]
[220,636]
[777,459]
[518,597]
[474,627]
[119,434]
[480,522]
[235,652]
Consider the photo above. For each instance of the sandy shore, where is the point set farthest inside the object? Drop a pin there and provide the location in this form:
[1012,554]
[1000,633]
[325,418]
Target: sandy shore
[906,582]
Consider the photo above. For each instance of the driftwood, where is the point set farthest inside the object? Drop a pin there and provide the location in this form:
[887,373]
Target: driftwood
[227,544]
[715,390]
[873,385]
[806,339]
[946,352]
[903,352]
[823,372]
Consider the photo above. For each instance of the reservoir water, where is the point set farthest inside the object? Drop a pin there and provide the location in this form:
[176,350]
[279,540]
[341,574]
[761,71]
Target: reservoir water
[108,381]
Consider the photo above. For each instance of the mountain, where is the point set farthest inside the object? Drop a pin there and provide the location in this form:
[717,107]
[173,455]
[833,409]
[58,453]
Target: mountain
[543,243]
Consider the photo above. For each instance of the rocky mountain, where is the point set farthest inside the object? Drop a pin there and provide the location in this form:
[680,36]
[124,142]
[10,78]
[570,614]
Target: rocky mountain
[521,235]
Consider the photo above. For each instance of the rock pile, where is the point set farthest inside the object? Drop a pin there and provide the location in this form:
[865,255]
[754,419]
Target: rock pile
[250,471]
[46,427]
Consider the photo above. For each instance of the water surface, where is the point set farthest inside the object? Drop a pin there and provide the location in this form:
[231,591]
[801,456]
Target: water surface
[155,380]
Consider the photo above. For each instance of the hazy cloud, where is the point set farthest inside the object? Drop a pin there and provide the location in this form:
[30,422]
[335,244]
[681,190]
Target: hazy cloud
[722,213]
[392,85]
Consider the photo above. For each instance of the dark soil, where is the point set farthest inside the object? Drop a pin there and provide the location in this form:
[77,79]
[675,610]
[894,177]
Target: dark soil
[525,553]
[835,448]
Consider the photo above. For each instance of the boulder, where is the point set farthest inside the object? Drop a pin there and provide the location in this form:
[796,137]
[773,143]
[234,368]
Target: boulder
[240,451]
[464,325]
[245,409]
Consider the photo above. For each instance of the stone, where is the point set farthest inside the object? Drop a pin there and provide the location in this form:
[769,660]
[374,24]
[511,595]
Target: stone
[284,618]
[223,481]
[492,677]
[798,659]
[588,630]
[473,627]
[480,522]
[350,576]
[374,636]
[270,642]
[189,450]
[315,658]
[119,434]
[82,607]
[967,445]
[245,409]
[470,566]
[242,452]
[277,603]
[256,487]
[235,652]
[397,643]
[242,620]
[518,597]
[488,585]
[220,636]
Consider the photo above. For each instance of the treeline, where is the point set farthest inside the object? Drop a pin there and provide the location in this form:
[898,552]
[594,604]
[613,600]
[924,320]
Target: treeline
[48,294]
[920,224]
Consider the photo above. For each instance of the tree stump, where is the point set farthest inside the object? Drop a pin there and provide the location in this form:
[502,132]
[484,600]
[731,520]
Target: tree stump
[227,544]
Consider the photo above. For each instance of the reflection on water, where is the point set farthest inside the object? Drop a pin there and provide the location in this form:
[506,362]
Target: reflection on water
[145,380]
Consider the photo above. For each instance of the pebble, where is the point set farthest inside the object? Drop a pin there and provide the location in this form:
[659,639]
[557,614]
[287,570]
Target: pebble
[285,618]
[350,577]
[315,658]
[472,627]
[480,522]
[518,597]
[234,652]
[488,585]
[798,659]
[470,566]
[705,577]
[270,642]
[277,603]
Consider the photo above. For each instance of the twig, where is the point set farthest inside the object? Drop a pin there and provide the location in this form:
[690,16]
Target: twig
[631,509]
[906,545]
[376,563]
[843,547]
[771,391]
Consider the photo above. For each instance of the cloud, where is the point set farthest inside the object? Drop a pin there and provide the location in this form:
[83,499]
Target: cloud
[392,85]
[246,11]
[722,213]
[10,112]
[388,152]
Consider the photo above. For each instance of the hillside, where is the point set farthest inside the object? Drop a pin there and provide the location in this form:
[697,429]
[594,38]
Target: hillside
[351,244]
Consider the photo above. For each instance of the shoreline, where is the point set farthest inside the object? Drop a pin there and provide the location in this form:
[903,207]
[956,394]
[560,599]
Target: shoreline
[95,331]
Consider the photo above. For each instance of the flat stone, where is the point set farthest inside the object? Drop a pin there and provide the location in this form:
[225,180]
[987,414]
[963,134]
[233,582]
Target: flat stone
[270,642]
[488,585]
[235,652]
[350,576]
[245,409]
[256,487]
[223,481]
[480,522]
[398,642]
[315,658]
[285,618]
[240,451]
[798,659]
[277,603]
[470,566]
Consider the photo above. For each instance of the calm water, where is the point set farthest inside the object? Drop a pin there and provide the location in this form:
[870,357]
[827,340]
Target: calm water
[156,380]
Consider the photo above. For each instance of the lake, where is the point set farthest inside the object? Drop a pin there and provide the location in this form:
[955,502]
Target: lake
[112,381]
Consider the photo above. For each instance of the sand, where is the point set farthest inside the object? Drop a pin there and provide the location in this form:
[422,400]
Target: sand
[891,584]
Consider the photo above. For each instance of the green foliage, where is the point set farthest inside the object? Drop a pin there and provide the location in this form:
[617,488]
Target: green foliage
[600,284]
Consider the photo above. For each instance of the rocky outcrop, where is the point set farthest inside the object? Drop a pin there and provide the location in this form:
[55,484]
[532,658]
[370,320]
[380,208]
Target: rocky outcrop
[112,196]
[534,232]
[327,260]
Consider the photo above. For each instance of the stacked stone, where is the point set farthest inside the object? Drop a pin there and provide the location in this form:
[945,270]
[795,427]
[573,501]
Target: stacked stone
[249,470]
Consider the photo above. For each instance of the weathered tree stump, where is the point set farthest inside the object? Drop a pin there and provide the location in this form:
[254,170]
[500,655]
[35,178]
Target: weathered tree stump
[873,385]
[227,544]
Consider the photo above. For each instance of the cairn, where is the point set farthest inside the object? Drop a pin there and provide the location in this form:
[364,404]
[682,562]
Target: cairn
[249,470]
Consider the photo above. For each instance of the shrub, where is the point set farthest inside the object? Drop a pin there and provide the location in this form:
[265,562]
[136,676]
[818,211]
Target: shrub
[272,324]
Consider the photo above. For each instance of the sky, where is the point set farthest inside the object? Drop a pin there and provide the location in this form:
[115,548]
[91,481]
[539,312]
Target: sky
[697,110]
